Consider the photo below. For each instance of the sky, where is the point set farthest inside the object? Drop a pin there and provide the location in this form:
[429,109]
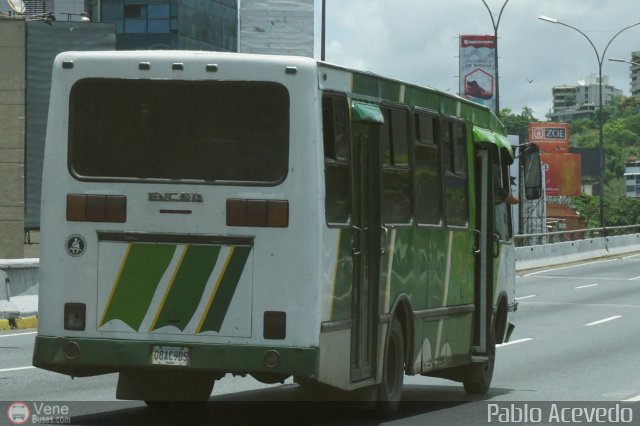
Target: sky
[417,41]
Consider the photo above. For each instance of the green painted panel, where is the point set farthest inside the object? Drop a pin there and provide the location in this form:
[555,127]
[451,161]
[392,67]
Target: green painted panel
[188,285]
[462,269]
[226,289]
[416,96]
[389,90]
[343,285]
[364,84]
[458,332]
[144,266]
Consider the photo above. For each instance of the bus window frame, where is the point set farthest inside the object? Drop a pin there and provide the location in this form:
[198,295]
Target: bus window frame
[437,143]
[137,180]
[329,160]
[409,167]
[453,173]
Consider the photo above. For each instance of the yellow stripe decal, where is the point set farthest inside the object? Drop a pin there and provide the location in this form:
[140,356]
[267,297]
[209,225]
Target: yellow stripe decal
[166,293]
[215,289]
[115,285]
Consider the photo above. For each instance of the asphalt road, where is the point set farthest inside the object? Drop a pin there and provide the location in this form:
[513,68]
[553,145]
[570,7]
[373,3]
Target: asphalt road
[576,344]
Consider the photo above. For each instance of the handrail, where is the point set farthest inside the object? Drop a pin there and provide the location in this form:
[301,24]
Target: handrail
[578,234]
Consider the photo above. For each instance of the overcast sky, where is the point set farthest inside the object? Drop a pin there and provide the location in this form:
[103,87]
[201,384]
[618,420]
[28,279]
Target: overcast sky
[417,41]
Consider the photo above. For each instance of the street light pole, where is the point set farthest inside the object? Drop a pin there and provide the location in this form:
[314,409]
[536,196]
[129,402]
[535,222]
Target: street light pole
[601,106]
[496,24]
[322,30]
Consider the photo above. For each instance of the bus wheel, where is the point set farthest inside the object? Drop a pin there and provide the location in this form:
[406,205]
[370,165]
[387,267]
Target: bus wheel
[390,390]
[477,377]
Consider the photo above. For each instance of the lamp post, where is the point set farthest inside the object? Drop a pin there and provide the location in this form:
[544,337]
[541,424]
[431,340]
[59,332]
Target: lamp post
[323,29]
[496,24]
[637,64]
[600,107]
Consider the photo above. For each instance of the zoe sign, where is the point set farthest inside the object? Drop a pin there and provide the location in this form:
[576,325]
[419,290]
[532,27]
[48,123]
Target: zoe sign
[550,137]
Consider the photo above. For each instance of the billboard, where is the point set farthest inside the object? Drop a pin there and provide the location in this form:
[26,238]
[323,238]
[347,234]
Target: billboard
[477,69]
[563,174]
[550,137]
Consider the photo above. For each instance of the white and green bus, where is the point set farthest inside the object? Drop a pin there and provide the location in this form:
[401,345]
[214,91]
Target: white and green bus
[210,213]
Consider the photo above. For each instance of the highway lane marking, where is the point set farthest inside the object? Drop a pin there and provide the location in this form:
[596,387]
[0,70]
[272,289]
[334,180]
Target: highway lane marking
[4,370]
[18,334]
[526,297]
[634,399]
[514,342]
[630,257]
[569,266]
[585,286]
[603,320]
[635,278]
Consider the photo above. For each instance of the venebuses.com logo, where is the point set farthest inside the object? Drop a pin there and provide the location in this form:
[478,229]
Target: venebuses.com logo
[20,413]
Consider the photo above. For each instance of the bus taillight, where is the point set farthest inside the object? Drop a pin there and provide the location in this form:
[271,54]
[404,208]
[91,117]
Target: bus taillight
[258,213]
[96,208]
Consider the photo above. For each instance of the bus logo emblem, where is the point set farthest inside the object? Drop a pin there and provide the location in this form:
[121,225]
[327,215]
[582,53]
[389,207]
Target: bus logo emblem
[75,245]
[184,197]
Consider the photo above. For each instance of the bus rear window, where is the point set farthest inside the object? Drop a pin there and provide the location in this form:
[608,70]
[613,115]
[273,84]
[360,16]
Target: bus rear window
[211,131]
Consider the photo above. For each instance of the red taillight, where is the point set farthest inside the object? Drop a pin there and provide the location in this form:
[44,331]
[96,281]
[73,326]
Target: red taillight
[258,213]
[96,208]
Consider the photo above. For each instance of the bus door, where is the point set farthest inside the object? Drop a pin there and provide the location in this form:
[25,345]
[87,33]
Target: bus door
[486,250]
[367,222]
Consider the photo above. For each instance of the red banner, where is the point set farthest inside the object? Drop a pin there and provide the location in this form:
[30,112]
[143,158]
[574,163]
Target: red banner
[563,174]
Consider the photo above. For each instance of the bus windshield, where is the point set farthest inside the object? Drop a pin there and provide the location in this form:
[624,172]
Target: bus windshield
[208,131]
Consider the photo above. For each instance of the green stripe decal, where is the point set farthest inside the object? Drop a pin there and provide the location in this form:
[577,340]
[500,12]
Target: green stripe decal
[224,290]
[141,271]
[185,291]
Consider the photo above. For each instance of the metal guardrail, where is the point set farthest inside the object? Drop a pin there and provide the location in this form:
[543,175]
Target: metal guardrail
[580,234]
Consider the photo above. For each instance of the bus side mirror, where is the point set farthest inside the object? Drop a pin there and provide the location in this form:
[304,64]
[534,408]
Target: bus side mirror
[532,173]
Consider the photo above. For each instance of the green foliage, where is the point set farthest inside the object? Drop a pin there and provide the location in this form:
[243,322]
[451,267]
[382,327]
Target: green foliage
[517,124]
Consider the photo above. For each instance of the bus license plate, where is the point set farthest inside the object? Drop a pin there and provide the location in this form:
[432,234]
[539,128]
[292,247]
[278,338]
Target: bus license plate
[170,355]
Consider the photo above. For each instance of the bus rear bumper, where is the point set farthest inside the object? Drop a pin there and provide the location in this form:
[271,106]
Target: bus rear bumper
[81,357]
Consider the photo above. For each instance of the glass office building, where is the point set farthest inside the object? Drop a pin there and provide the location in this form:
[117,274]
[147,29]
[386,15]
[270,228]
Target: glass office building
[170,24]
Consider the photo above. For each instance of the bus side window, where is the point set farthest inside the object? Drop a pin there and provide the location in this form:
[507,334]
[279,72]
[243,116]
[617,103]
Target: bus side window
[428,175]
[337,166]
[501,190]
[454,146]
[396,172]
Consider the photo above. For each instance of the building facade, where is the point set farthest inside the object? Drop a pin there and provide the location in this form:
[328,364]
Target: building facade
[632,178]
[581,100]
[170,24]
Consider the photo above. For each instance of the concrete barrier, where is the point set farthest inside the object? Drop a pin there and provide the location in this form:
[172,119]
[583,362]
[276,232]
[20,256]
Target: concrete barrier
[19,282]
[532,257]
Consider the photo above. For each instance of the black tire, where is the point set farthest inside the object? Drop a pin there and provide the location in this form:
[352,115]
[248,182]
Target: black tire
[390,390]
[478,376]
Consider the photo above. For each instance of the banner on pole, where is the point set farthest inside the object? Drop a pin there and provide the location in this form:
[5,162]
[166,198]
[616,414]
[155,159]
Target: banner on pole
[478,69]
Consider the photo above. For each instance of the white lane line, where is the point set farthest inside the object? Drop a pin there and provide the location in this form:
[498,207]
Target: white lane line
[634,399]
[567,267]
[16,369]
[526,297]
[585,286]
[513,342]
[630,257]
[635,278]
[18,334]
[603,320]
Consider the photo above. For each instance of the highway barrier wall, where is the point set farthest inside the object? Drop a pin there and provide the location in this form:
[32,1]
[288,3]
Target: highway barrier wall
[19,278]
[541,256]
